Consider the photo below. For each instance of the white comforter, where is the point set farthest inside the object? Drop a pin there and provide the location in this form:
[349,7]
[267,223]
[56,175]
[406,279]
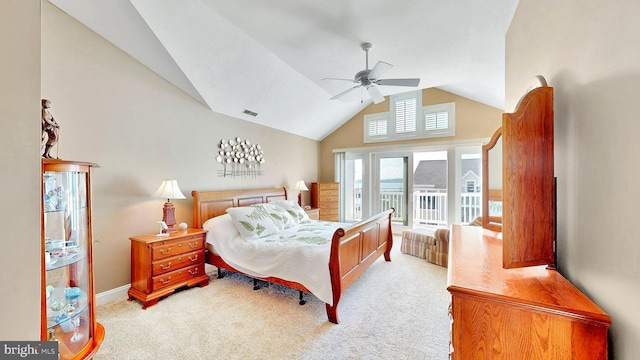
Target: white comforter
[299,254]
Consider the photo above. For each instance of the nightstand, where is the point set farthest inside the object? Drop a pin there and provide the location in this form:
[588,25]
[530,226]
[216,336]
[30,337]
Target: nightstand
[160,265]
[314,213]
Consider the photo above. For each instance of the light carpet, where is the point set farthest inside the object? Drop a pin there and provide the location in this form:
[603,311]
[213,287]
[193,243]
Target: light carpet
[395,310]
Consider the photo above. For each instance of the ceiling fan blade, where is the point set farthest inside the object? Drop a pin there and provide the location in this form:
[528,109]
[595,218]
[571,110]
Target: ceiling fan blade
[375,94]
[349,80]
[380,68]
[344,92]
[398,82]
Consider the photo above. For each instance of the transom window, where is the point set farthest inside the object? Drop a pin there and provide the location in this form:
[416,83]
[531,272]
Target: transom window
[402,121]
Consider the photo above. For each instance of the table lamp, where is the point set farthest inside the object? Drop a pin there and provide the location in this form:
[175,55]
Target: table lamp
[300,186]
[169,190]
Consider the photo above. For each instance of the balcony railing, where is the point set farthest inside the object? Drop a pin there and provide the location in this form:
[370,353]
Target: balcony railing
[429,206]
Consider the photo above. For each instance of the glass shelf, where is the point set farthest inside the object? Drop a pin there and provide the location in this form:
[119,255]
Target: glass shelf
[58,261]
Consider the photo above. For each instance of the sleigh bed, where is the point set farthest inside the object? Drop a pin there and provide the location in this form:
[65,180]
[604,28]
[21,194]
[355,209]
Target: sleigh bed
[352,248]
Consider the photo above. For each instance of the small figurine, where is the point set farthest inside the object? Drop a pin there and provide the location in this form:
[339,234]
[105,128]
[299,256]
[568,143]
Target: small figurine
[51,127]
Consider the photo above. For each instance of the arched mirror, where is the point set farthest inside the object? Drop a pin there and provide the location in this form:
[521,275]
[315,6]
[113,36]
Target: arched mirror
[492,183]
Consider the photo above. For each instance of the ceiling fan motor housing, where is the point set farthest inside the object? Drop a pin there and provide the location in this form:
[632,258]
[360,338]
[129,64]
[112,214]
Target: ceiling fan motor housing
[362,77]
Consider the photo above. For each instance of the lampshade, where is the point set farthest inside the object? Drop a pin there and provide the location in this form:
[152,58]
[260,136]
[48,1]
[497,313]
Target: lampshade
[169,190]
[300,186]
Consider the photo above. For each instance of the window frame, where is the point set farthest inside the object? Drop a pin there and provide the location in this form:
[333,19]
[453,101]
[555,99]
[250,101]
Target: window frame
[378,137]
[450,109]
[394,99]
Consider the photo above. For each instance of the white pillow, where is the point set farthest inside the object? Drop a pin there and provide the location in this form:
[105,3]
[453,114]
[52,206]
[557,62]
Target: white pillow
[221,229]
[253,221]
[296,212]
[280,217]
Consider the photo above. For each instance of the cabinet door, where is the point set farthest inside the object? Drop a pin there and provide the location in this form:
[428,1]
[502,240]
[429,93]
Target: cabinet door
[68,294]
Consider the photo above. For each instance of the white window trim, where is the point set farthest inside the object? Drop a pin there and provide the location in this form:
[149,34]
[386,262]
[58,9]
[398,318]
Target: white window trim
[376,117]
[450,108]
[404,96]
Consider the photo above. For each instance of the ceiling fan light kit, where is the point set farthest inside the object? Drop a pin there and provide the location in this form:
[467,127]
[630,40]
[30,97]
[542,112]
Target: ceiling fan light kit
[369,78]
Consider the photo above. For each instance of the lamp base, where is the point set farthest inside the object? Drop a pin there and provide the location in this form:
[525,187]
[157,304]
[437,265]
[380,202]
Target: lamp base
[300,199]
[168,217]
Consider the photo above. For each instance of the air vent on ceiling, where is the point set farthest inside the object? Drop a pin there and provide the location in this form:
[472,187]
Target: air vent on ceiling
[249,112]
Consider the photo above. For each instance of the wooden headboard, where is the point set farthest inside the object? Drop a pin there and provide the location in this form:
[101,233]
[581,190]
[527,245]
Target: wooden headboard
[208,204]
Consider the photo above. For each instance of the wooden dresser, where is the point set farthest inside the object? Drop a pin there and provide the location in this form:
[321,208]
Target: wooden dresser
[523,313]
[326,196]
[160,265]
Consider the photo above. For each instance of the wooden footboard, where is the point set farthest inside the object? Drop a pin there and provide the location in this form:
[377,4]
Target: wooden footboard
[353,249]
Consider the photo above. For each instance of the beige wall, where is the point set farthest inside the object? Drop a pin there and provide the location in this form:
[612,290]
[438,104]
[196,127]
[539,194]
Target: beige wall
[20,162]
[141,129]
[473,121]
[587,50]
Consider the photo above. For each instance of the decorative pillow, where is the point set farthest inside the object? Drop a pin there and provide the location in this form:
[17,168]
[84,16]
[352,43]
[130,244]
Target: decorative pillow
[221,229]
[253,221]
[296,212]
[280,217]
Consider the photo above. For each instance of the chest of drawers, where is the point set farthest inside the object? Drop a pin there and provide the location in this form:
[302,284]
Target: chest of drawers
[160,265]
[326,196]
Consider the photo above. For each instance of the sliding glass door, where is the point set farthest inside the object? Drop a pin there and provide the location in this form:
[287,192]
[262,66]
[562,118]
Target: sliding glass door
[431,187]
[391,187]
[353,187]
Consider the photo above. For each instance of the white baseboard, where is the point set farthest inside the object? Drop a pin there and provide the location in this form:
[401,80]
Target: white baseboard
[112,295]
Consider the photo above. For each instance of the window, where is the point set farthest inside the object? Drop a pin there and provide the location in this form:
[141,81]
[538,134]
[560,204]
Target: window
[405,110]
[471,186]
[436,121]
[376,127]
[408,120]
[439,120]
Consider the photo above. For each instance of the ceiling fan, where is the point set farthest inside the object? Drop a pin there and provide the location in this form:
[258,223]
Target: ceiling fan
[369,78]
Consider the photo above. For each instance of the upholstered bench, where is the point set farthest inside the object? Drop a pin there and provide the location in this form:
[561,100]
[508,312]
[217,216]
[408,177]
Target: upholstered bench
[429,244]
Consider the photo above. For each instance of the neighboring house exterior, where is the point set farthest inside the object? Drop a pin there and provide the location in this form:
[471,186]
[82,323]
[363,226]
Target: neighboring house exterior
[470,179]
[431,190]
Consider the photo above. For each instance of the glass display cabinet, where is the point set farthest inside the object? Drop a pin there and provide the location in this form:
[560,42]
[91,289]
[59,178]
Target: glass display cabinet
[68,297]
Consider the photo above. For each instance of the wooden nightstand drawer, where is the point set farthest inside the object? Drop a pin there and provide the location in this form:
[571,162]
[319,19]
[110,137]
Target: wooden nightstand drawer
[179,246]
[160,265]
[176,276]
[176,262]
[314,213]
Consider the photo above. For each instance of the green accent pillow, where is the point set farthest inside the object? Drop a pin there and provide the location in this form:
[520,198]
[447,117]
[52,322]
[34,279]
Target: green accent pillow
[296,212]
[253,221]
[280,217]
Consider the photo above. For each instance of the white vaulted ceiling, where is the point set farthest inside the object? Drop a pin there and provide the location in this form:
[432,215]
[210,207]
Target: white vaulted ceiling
[270,56]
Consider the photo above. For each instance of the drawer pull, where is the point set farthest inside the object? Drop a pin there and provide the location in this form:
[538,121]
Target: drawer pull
[193,259]
[165,267]
[195,271]
[165,252]
[193,245]
[165,282]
